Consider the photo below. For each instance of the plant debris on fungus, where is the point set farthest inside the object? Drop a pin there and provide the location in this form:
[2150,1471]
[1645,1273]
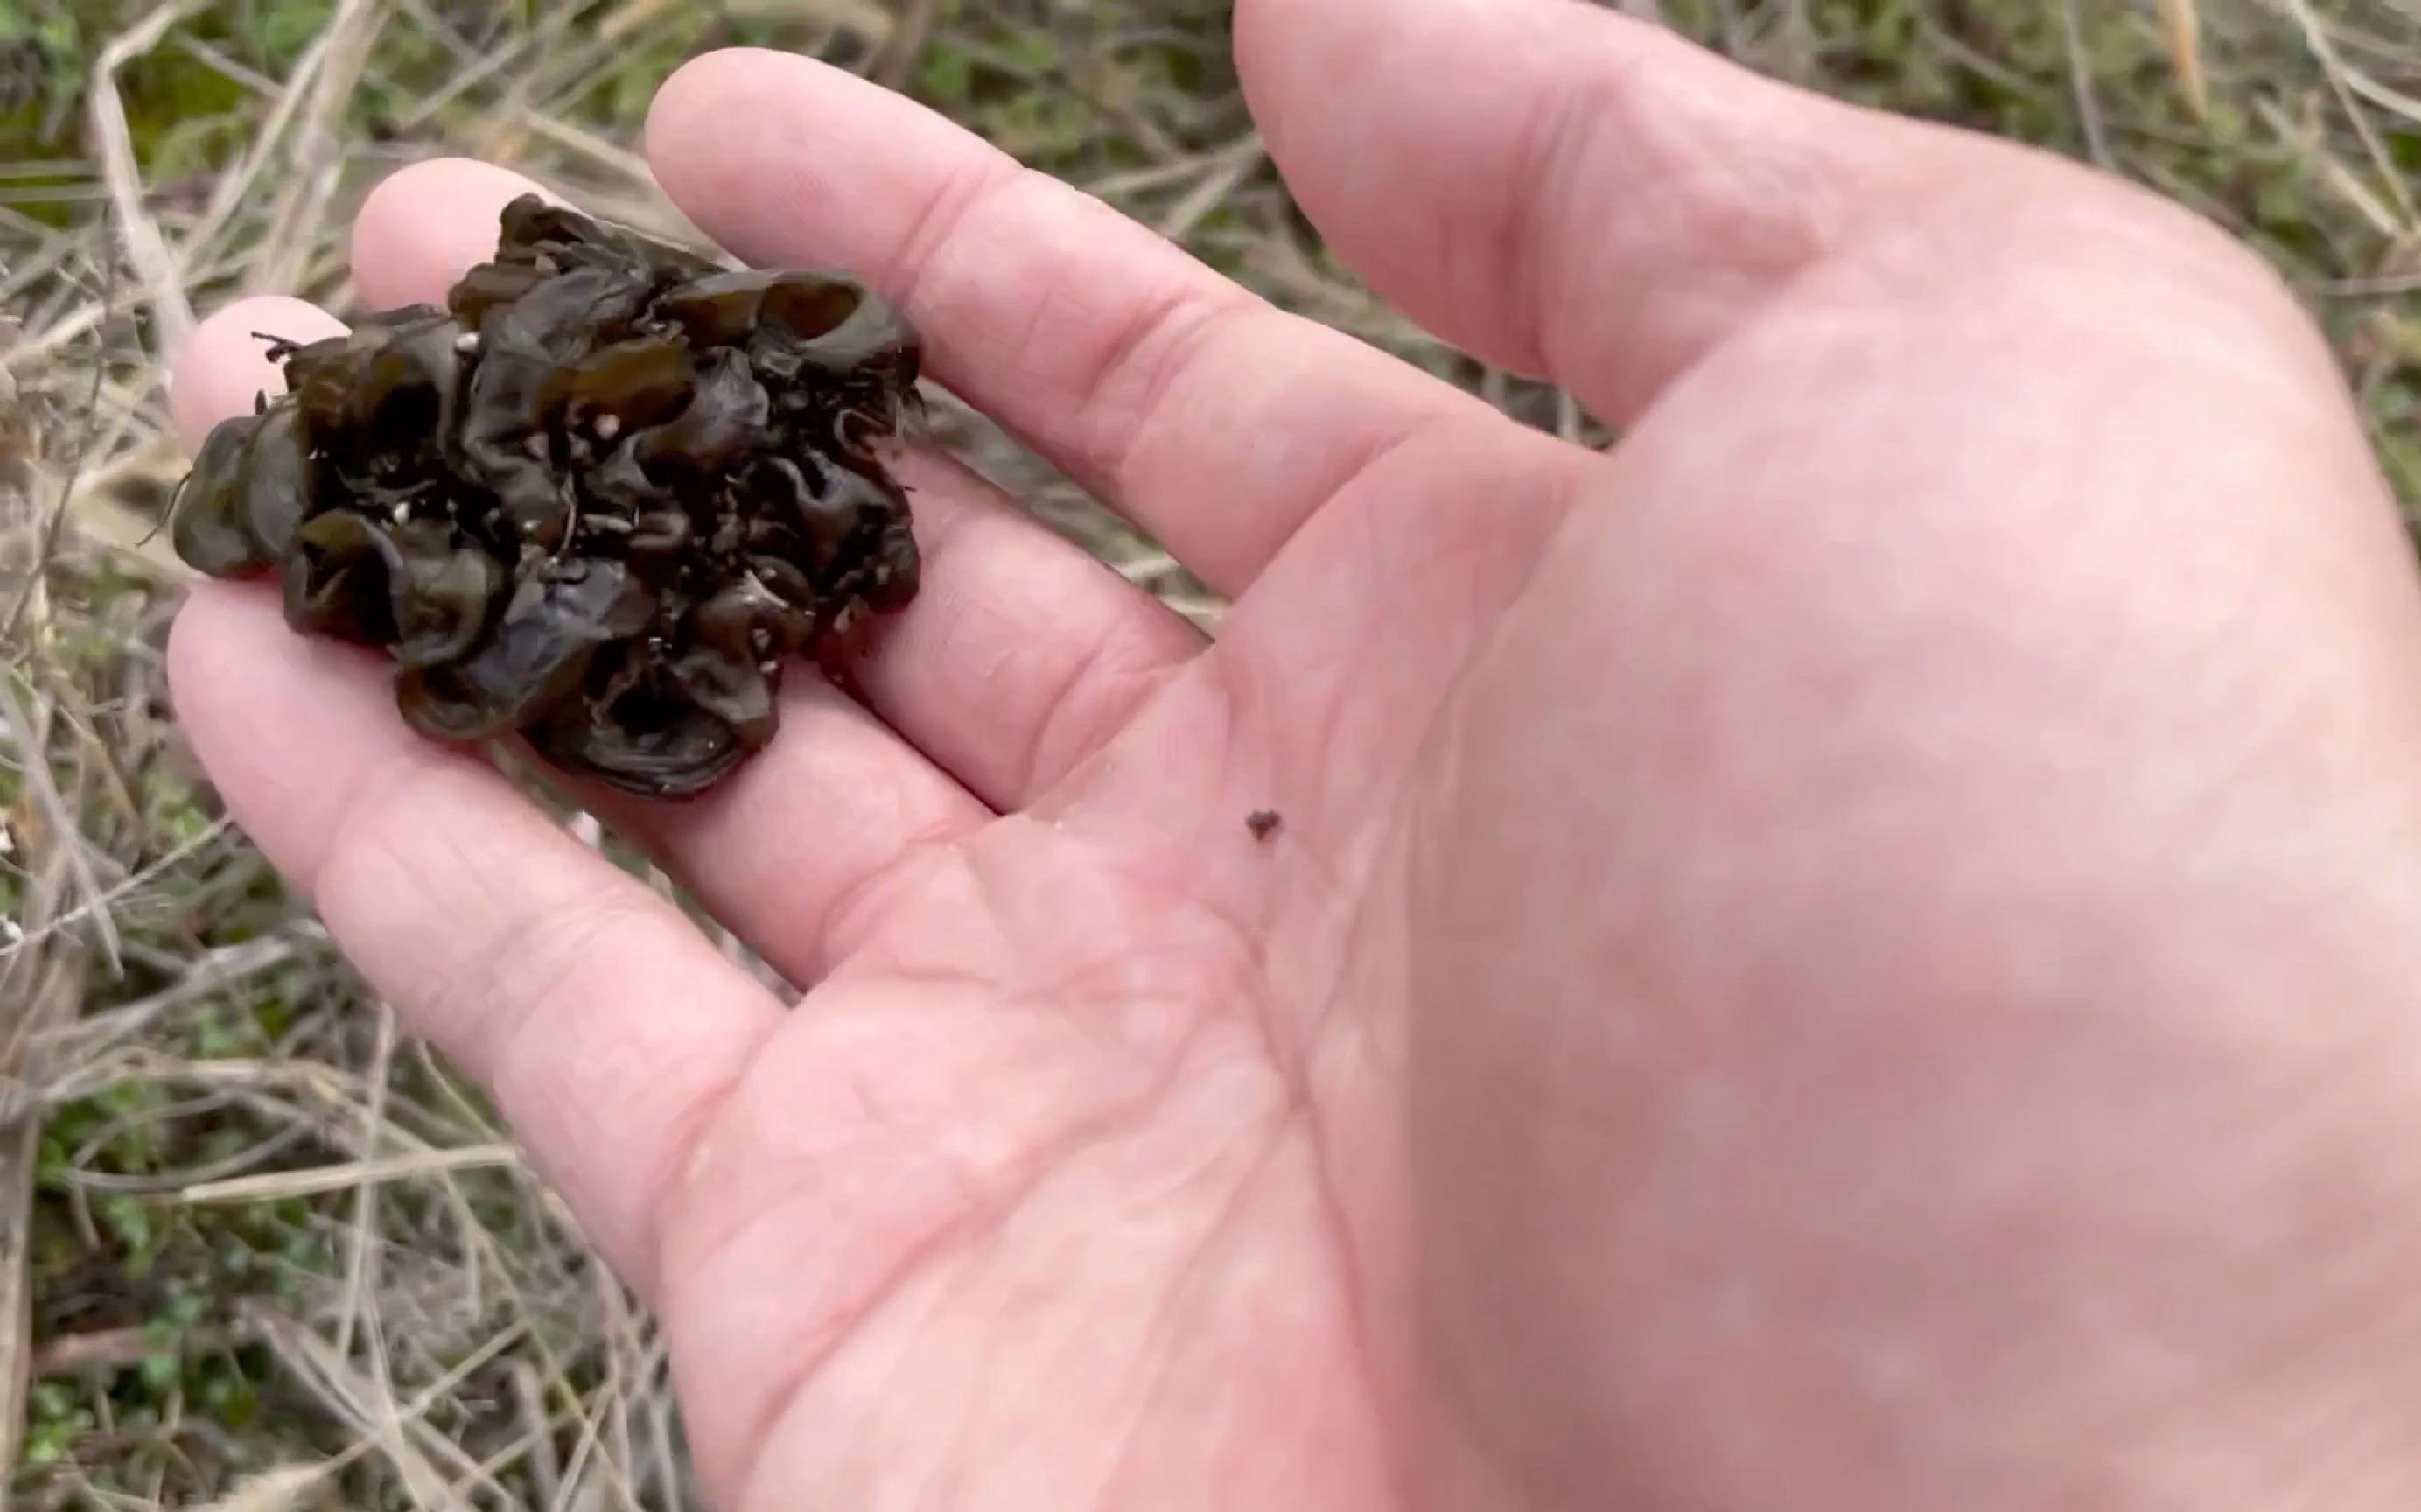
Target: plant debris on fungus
[595,500]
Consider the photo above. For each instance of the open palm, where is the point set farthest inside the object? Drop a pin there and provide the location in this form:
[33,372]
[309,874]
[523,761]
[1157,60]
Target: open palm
[1091,1169]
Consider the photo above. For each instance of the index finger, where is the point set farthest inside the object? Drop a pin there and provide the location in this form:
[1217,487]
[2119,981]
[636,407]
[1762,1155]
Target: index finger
[1212,419]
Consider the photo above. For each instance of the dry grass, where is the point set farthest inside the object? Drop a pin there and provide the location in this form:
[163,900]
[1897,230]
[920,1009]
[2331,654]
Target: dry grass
[257,1249]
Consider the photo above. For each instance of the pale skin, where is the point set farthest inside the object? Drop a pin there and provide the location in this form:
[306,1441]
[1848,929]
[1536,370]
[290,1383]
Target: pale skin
[1858,951]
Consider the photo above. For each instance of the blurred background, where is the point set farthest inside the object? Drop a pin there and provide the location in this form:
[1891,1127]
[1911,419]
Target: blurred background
[257,1248]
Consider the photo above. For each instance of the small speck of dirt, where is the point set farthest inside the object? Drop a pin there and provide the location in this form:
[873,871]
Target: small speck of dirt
[1263,822]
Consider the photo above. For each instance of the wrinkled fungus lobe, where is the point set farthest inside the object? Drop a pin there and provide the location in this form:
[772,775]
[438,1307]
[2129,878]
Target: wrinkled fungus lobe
[595,500]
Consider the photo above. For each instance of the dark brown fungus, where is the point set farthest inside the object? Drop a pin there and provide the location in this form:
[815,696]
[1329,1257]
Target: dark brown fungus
[598,497]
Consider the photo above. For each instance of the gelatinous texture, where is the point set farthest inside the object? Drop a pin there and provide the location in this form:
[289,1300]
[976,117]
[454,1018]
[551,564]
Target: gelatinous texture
[597,498]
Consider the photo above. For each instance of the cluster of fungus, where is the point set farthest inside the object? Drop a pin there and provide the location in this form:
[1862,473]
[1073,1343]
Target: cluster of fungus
[594,501]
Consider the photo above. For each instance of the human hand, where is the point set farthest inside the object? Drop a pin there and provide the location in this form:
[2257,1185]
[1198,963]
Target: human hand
[1852,953]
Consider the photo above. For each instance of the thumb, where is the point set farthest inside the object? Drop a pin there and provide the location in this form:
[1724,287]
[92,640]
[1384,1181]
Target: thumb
[1559,189]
